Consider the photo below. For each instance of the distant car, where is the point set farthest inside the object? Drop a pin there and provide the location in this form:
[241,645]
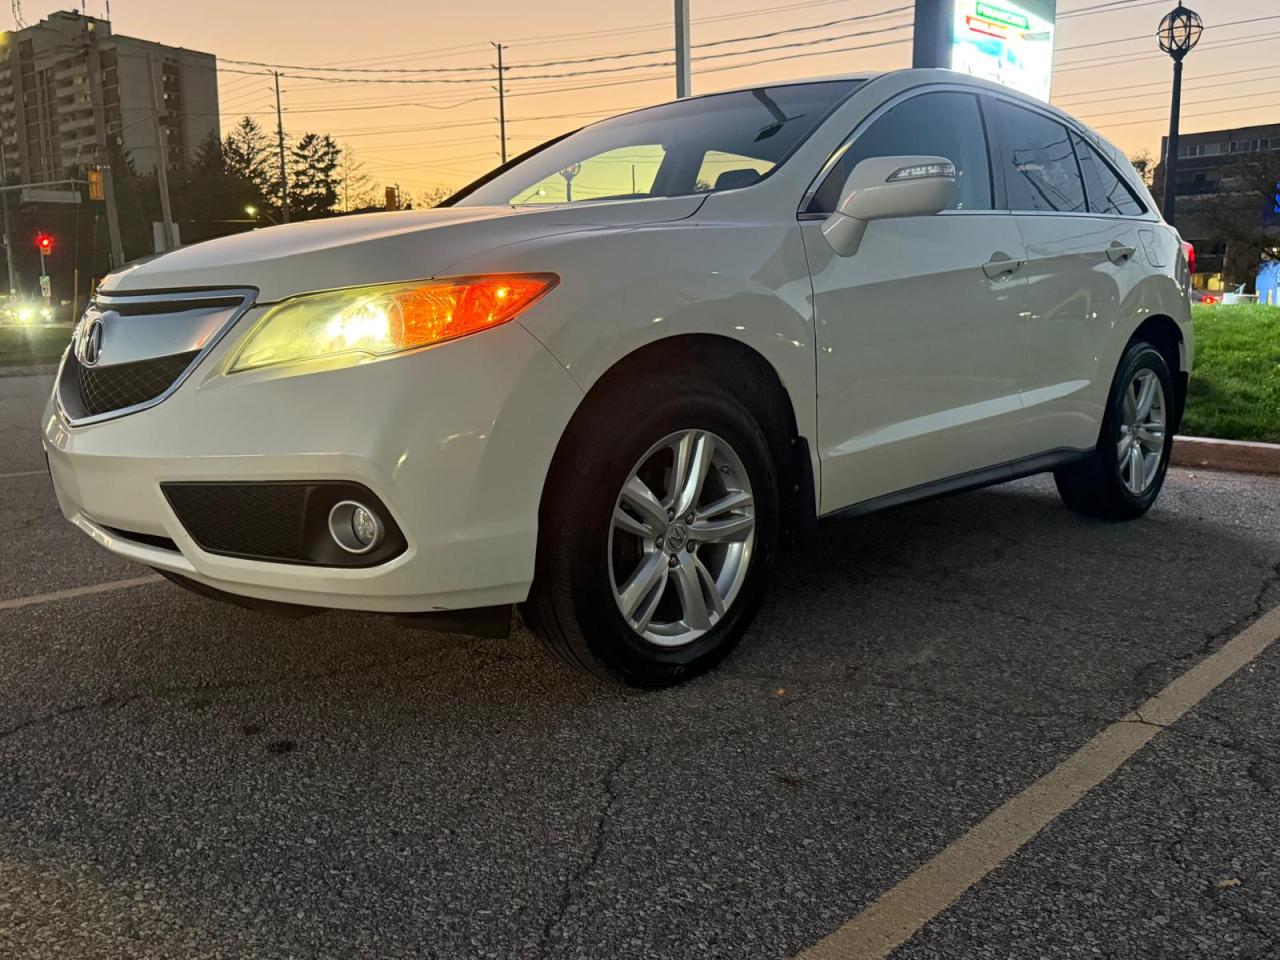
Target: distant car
[21,312]
[604,380]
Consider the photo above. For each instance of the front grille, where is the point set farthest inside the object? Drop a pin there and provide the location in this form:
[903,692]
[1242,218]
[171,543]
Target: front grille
[103,389]
[285,522]
[131,350]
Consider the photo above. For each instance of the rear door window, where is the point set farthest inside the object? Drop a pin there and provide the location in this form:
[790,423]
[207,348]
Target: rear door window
[1040,168]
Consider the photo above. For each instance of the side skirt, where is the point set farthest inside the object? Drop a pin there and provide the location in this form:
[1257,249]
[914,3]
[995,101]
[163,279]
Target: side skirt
[961,483]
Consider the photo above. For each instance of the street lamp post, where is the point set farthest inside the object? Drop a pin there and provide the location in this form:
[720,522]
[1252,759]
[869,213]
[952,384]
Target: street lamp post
[1179,31]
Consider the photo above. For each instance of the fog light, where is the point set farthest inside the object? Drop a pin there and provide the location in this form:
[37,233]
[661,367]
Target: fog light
[354,527]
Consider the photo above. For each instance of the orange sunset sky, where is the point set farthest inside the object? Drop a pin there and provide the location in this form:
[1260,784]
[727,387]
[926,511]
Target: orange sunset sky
[1108,70]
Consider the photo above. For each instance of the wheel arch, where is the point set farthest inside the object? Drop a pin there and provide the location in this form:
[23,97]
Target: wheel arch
[738,368]
[1163,333]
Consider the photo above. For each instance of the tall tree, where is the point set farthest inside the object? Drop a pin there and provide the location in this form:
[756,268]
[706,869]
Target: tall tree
[1244,213]
[1145,164]
[355,184]
[210,197]
[247,154]
[433,197]
[315,161]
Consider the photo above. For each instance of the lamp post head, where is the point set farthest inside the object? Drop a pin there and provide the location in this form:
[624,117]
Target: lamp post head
[1179,31]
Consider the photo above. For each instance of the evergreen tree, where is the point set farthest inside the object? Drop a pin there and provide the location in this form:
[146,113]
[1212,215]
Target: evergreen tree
[247,156]
[315,182]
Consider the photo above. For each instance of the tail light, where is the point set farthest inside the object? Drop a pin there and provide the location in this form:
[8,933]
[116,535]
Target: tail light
[1189,251]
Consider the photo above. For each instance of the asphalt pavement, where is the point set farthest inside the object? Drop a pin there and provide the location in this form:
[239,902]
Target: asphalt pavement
[180,778]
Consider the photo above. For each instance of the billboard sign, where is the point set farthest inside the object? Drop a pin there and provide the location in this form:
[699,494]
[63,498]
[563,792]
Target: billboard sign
[1007,41]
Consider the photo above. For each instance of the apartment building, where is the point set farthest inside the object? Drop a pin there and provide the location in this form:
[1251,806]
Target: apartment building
[47,101]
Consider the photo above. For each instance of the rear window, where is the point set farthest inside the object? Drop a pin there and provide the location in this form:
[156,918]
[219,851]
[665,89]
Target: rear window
[1040,169]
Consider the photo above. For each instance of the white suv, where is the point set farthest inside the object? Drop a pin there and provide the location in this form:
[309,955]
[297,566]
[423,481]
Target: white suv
[604,380]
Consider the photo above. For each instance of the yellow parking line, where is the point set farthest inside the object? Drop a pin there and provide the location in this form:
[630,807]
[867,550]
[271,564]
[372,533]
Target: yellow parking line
[900,912]
[78,592]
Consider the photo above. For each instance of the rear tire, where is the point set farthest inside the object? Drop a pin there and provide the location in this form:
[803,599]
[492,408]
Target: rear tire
[619,590]
[1122,477]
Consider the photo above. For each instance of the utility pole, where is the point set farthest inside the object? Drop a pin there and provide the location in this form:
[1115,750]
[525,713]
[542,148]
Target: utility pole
[100,137]
[162,166]
[284,170]
[8,240]
[502,103]
[684,76]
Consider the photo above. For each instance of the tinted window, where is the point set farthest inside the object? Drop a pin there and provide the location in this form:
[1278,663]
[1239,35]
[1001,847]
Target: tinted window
[934,124]
[1040,168]
[703,144]
[1107,192]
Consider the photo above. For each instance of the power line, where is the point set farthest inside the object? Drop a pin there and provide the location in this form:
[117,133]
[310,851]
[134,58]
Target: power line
[1189,116]
[1146,36]
[1187,103]
[411,75]
[1165,84]
[720,43]
[1157,55]
[1115,6]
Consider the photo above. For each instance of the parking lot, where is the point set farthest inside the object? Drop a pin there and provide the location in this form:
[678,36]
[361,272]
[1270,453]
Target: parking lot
[180,778]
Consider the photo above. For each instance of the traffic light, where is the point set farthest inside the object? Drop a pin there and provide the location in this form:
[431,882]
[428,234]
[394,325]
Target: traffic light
[96,189]
[44,243]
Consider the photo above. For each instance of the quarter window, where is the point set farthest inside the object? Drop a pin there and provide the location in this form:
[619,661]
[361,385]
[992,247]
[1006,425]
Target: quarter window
[1040,169]
[932,124]
[1108,194]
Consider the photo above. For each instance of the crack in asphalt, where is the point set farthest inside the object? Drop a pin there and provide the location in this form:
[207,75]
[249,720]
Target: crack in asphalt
[1214,637]
[975,706]
[574,883]
[178,691]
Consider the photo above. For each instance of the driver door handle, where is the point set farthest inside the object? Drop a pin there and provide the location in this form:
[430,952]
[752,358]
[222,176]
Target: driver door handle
[1119,253]
[1001,266]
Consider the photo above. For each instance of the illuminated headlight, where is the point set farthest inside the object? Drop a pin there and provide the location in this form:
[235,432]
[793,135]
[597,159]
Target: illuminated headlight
[373,322]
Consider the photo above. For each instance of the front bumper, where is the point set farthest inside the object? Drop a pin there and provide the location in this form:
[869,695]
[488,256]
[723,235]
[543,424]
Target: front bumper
[455,440]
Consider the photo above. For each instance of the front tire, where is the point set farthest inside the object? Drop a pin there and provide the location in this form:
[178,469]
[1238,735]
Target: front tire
[1123,476]
[656,534]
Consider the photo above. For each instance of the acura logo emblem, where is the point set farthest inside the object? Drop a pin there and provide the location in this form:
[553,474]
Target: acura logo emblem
[90,343]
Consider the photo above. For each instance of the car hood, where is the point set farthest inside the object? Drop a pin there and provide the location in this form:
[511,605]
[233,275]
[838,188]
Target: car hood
[377,247]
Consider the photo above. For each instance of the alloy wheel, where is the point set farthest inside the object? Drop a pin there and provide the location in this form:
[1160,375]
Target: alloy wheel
[681,538]
[1142,432]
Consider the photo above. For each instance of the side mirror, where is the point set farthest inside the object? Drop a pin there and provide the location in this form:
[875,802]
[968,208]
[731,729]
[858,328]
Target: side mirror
[880,188]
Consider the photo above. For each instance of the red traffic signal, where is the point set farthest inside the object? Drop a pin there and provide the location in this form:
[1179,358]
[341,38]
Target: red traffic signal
[44,243]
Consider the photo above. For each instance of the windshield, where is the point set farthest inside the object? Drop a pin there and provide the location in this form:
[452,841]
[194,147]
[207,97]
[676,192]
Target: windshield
[700,145]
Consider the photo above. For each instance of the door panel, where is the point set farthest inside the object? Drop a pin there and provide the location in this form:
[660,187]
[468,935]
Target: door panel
[1079,270]
[919,353]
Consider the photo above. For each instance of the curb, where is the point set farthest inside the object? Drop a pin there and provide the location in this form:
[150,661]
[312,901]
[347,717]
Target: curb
[39,370]
[1239,456]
